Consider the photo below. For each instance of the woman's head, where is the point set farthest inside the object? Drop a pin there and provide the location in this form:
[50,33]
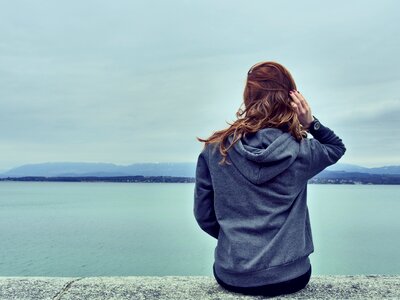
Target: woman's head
[266,94]
[267,103]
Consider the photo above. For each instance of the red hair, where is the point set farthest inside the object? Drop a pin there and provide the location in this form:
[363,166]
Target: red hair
[267,104]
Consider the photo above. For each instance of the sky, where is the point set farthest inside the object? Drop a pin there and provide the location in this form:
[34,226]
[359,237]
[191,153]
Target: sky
[137,81]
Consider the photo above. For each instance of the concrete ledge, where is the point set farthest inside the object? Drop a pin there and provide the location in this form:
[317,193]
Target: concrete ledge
[188,287]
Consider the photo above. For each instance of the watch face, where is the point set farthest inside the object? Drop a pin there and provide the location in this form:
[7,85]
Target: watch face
[317,125]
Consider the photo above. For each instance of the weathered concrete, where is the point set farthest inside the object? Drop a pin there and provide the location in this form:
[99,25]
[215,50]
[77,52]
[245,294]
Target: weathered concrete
[188,287]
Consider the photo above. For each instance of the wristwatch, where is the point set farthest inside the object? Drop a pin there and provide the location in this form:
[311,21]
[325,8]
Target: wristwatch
[315,125]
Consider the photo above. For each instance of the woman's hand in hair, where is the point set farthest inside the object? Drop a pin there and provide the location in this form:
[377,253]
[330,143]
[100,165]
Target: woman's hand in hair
[302,108]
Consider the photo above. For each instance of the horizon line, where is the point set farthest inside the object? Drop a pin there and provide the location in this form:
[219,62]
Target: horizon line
[170,162]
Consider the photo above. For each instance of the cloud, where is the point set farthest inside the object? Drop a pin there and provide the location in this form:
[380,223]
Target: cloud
[134,81]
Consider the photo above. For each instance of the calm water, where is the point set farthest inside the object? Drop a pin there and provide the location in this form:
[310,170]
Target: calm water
[118,229]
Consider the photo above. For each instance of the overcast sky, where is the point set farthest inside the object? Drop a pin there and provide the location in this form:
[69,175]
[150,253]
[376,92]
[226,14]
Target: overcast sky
[137,81]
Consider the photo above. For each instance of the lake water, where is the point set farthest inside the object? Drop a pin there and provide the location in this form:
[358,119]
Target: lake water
[121,229]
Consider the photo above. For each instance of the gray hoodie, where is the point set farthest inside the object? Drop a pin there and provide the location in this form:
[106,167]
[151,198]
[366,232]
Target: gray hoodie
[257,206]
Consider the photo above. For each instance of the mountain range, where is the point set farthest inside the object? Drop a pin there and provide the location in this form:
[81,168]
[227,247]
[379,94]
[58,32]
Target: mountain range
[81,169]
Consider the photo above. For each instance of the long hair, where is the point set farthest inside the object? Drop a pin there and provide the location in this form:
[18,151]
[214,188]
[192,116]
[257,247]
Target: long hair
[267,104]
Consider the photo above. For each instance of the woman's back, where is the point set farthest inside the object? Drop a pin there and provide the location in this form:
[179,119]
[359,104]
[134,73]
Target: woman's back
[256,203]
[259,203]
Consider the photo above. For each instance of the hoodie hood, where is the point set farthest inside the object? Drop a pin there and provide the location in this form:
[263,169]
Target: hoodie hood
[263,155]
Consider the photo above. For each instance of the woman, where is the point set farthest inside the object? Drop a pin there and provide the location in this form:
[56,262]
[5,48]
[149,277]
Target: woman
[251,186]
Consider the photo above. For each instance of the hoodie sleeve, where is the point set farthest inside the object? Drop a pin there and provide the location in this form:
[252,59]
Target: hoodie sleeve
[326,148]
[204,198]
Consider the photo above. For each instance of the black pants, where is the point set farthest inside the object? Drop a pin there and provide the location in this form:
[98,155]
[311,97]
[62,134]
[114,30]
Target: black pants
[275,289]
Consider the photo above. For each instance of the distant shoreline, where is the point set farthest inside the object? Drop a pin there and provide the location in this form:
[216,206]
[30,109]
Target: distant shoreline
[375,180]
[126,179]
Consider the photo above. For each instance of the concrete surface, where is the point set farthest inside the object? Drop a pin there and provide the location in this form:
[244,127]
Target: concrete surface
[188,287]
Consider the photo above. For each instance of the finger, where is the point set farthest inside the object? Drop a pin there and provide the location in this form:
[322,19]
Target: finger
[300,96]
[294,97]
[295,103]
[295,107]
[298,101]
[304,104]
[307,109]
[302,99]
